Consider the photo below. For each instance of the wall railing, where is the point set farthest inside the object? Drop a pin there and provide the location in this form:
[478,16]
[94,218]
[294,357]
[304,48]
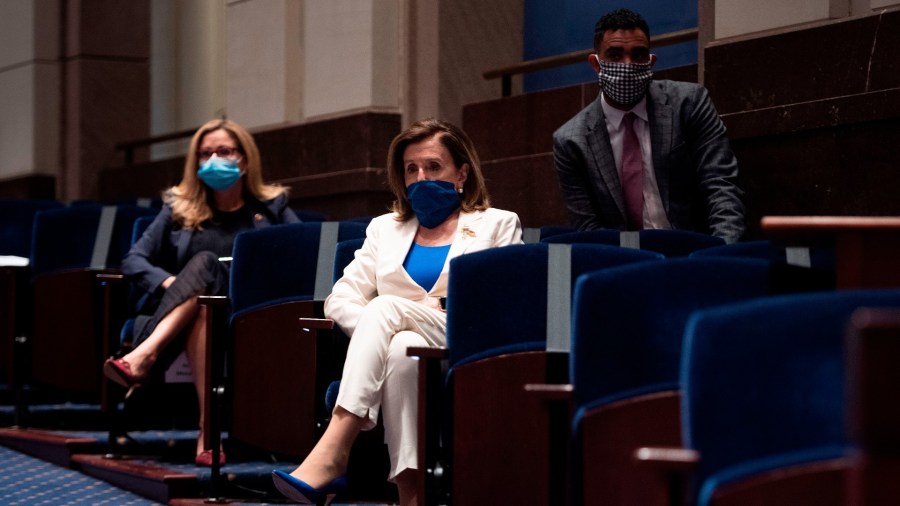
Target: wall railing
[505,73]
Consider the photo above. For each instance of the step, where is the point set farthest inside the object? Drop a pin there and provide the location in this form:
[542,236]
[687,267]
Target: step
[49,446]
[140,475]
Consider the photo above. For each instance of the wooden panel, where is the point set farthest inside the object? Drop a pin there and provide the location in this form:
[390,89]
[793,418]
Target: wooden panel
[529,187]
[808,64]
[609,437]
[65,342]
[500,443]
[274,378]
[821,483]
[865,248]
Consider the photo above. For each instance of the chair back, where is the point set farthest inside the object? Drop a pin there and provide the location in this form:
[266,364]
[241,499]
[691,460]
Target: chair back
[83,236]
[280,263]
[497,298]
[17,222]
[764,382]
[140,226]
[628,322]
[124,229]
[344,254]
[671,243]
[64,238]
[817,258]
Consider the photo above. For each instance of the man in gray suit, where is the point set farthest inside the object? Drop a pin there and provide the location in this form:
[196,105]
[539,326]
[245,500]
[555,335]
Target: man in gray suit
[646,154]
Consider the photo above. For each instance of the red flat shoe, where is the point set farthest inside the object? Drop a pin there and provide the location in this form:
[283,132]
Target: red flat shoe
[205,458]
[119,370]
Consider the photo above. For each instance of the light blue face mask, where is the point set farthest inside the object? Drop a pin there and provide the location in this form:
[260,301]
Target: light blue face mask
[219,173]
[432,201]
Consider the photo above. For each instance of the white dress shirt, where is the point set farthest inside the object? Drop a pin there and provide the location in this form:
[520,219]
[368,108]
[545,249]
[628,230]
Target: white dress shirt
[654,212]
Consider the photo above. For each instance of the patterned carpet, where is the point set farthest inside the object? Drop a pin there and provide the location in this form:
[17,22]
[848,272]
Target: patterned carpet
[29,481]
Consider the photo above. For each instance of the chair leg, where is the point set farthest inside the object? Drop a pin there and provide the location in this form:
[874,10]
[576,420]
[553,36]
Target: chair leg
[213,403]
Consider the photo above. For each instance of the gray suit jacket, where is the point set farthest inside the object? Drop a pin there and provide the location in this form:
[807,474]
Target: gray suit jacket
[695,168]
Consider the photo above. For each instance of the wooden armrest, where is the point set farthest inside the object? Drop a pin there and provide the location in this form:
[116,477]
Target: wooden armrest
[668,459]
[316,323]
[673,468]
[439,353]
[212,300]
[550,392]
[110,278]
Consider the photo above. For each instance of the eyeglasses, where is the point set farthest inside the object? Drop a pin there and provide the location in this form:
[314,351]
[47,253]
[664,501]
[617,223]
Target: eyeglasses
[221,152]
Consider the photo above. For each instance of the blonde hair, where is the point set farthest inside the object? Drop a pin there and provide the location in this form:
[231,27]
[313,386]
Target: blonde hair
[190,198]
[475,195]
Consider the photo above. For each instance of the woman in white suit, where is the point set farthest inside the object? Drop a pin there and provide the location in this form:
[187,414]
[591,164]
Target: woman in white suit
[389,299]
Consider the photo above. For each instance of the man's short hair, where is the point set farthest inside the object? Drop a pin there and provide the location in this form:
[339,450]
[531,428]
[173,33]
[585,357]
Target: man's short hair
[619,19]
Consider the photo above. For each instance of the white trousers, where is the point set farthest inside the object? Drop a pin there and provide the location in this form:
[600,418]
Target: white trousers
[378,374]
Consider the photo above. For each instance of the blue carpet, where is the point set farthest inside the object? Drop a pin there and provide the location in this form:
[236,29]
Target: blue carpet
[26,480]
[29,481]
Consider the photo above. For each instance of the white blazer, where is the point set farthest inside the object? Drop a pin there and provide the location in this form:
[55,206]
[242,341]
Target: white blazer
[377,267]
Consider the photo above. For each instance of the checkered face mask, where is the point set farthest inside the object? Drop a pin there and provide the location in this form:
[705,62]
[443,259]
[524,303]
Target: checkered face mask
[624,83]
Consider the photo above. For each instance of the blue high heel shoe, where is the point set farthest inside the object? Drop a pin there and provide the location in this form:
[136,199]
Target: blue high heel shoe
[298,490]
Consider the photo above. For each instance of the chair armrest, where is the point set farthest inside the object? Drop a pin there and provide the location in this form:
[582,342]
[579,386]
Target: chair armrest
[550,392]
[316,323]
[674,466]
[108,277]
[669,459]
[430,476]
[557,400]
[436,353]
[212,300]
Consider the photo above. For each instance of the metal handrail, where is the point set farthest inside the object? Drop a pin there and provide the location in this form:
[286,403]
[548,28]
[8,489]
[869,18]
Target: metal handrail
[560,60]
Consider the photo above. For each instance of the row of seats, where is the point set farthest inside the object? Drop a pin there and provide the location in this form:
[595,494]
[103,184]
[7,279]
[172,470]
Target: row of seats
[707,353]
[52,254]
[623,320]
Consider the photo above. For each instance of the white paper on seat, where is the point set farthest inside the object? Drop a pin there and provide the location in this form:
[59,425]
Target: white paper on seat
[13,261]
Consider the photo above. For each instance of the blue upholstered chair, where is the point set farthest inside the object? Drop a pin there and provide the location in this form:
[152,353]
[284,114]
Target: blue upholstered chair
[627,330]
[498,310]
[344,254]
[817,258]
[764,397]
[70,246]
[671,243]
[278,275]
[17,222]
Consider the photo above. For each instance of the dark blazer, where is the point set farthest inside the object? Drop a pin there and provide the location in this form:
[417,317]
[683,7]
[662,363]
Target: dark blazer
[695,169]
[162,250]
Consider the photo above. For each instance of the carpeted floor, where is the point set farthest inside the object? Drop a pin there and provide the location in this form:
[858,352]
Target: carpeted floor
[29,481]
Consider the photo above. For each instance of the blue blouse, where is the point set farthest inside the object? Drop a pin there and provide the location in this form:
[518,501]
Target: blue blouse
[424,263]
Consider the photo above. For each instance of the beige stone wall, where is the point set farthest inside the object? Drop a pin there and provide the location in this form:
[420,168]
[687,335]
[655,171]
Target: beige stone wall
[29,88]
[738,17]
[263,63]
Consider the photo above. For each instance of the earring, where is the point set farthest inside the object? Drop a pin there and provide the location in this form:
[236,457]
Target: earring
[459,190]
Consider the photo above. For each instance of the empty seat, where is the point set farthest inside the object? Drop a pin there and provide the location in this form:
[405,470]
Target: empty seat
[671,243]
[764,397]
[628,325]
[499,322]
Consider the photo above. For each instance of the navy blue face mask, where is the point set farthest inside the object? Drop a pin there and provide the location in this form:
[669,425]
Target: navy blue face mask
[432,201]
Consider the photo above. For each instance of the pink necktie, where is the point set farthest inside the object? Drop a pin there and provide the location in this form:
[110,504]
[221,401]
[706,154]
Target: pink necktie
[632,175]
